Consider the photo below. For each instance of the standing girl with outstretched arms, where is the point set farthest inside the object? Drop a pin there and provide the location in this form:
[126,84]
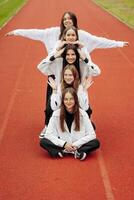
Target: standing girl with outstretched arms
[49,36]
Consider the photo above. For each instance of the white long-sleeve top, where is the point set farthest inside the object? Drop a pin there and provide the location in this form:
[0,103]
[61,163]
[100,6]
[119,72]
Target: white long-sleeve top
[82,97]
[49,37]
[76,138]
[55,67]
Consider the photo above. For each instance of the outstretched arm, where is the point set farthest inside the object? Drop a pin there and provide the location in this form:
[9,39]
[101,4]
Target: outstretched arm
[92,42]
[48,36]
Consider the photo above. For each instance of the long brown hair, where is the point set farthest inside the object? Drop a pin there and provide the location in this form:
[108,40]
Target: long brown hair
[70,28]
[75,73]
[74,20]
[75,109]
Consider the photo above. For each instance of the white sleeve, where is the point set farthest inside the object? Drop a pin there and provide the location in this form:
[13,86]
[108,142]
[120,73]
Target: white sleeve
[52,133]
[53,51]
[89,132]
[46,66]
[93,69]
[89,69]
[93,42]
[101,42]
[84,50]
[34,34]
[56,99]
[83,98]
[48,36]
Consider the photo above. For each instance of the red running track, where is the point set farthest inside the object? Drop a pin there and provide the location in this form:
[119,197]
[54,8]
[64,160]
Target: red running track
[26,171]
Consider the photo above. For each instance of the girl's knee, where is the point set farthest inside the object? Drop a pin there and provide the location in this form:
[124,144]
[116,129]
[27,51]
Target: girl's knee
[97,143]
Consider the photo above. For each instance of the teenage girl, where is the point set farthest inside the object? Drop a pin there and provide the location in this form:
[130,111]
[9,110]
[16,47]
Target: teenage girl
[70,130]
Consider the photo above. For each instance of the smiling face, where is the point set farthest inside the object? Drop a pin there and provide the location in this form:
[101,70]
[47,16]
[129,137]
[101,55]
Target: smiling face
[70,36]
[70,56]
[69,102]
[67,20]
[68,77]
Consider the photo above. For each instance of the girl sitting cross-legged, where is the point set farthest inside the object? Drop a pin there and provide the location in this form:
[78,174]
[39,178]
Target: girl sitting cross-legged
[70,130]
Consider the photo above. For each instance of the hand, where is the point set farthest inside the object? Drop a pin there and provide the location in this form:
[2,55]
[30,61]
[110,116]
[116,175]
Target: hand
[126,44]
[9,33]
[59,52]
[69,147]
[52,83]
[80,44]
[87,82]
[61,45]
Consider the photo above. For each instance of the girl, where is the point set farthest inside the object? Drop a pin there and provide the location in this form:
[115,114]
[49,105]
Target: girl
[70,130]
[49,36]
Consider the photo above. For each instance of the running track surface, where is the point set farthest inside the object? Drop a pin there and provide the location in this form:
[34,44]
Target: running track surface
[26,171]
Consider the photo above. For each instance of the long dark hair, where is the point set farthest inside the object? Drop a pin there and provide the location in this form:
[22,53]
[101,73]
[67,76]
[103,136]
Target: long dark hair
[75,110]
[74,47]
[76,81]
[74,19]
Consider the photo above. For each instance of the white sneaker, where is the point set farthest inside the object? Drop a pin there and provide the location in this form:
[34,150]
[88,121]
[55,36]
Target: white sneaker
[76,154]
[60,155]
[83,156]
[42,134]
[80,156]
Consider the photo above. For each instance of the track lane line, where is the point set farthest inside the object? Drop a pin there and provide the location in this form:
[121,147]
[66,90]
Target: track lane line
[12,99]
[105,177]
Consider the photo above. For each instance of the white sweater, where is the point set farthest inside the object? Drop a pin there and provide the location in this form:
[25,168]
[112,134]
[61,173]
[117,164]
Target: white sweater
[55,67]
[76,138]
[82,97]
[49,37]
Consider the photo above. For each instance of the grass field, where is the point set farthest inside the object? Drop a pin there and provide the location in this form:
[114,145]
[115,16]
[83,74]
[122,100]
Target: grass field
[123,9]
[8,8]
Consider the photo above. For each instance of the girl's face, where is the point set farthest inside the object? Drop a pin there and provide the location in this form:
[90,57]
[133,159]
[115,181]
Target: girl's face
[68,76]
[70,56]
[67,21]
[69,102]
[70,36]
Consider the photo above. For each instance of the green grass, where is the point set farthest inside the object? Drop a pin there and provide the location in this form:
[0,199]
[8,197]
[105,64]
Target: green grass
[8,8]
[123,9]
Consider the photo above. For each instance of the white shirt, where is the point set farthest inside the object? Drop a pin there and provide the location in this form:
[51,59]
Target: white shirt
[49,37]
[55,67]
[76,138]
